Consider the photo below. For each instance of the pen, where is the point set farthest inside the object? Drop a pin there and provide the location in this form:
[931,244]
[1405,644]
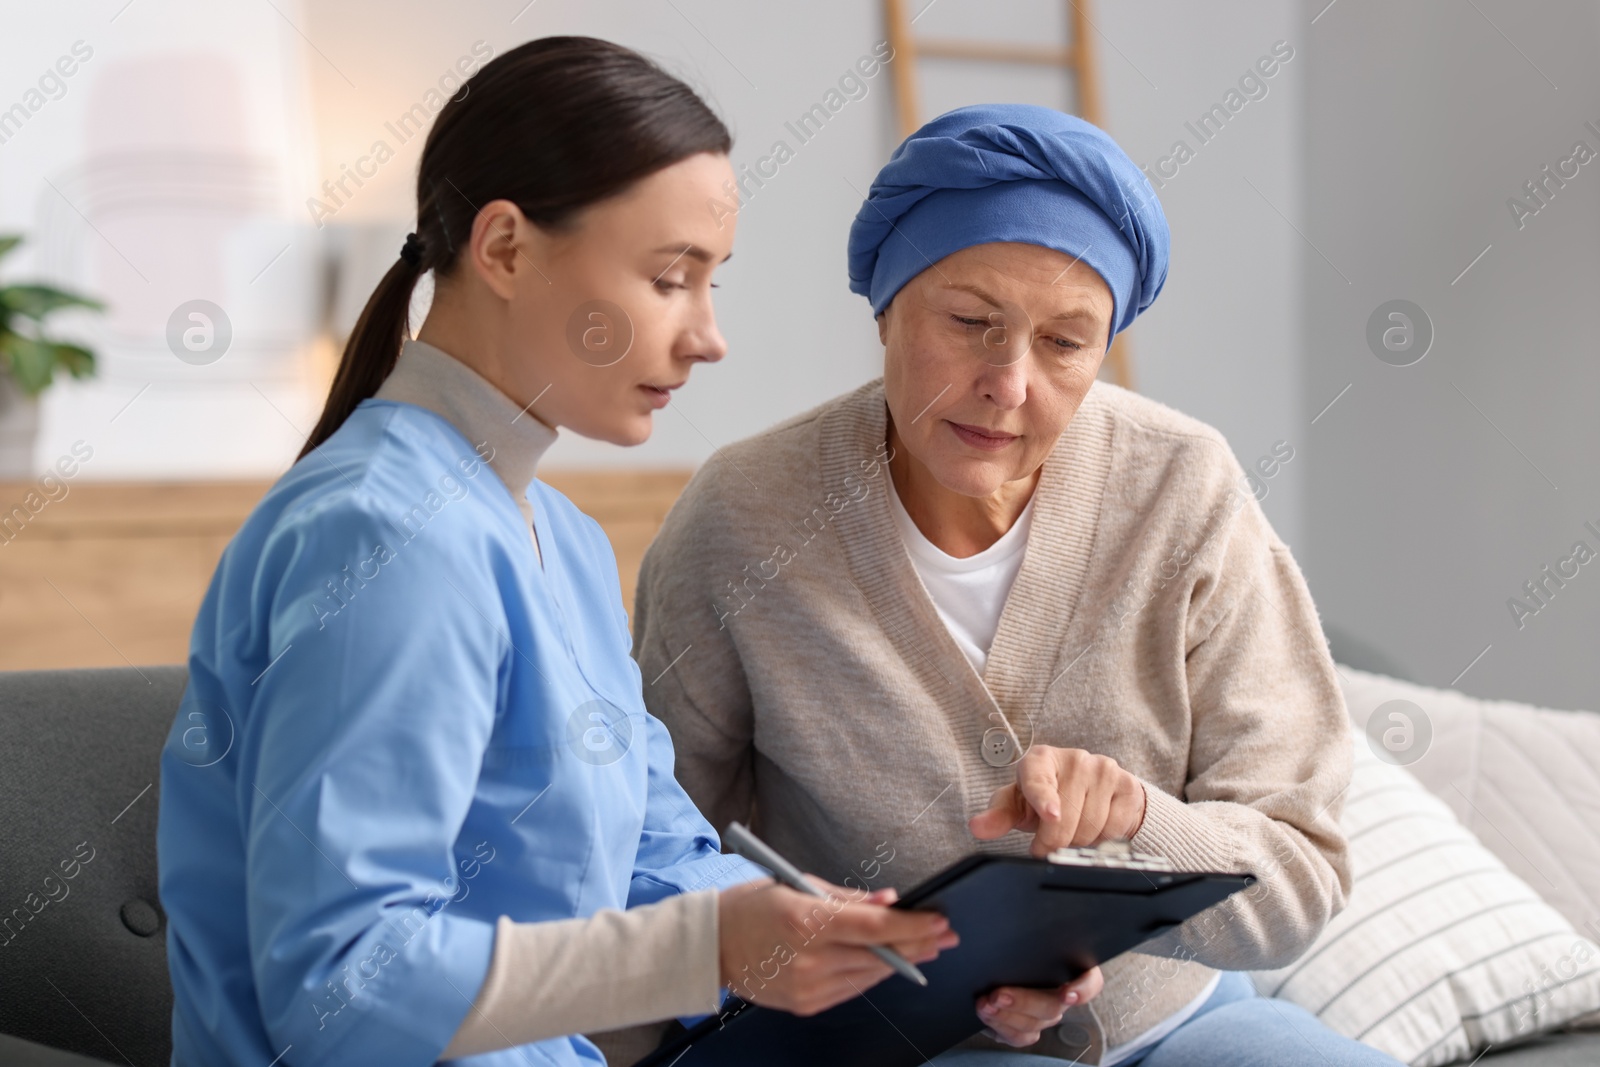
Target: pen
[758,851]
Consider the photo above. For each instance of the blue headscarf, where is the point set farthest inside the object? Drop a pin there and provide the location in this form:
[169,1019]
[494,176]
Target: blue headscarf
[1011,172]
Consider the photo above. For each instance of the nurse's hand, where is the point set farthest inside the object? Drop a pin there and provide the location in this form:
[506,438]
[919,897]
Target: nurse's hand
[783,949]
[1064,796]
[1018,1017]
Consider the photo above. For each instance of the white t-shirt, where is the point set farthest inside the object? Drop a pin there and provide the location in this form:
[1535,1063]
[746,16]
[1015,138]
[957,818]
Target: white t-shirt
[970,594]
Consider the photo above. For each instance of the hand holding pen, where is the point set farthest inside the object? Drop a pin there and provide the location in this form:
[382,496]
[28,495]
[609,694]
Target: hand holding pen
[797,949]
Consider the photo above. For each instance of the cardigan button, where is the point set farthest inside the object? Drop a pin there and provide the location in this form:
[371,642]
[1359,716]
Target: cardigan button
[999,749]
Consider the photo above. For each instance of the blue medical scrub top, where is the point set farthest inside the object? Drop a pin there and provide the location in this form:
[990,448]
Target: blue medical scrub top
[398,727]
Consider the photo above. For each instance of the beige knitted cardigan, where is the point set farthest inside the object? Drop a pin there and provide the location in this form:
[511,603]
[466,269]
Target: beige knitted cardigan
[811,688]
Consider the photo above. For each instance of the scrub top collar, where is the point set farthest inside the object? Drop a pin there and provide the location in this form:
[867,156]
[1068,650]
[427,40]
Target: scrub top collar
[432,378]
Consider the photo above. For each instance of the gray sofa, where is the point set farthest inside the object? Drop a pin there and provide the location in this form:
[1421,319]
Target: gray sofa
[88,971]
[83,971]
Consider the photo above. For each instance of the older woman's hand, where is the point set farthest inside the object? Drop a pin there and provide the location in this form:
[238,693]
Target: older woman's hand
[1017,1017]
[1064,796]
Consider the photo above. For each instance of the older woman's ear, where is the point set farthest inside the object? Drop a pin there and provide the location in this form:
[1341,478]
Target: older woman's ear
[883,327]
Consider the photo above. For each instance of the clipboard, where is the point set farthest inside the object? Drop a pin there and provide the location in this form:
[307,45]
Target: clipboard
[1023,922]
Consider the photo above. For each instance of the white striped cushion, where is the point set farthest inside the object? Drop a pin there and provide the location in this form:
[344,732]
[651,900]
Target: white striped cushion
[1525,779]
[1441,950]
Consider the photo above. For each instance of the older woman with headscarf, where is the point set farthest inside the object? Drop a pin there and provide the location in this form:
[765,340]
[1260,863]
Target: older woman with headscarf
[989,603]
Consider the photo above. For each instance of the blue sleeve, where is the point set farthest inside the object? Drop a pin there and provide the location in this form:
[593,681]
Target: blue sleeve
[359,764]
[679,850]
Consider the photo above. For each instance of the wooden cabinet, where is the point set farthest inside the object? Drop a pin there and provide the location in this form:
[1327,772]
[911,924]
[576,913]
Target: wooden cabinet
[112,574]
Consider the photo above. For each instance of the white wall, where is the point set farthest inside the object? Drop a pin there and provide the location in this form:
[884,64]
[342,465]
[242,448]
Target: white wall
[797,335]
[1438,489]
[165,169]
[1223,341]
[1220,343]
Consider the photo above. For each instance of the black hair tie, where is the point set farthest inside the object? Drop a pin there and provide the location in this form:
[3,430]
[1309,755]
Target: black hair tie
[411,251]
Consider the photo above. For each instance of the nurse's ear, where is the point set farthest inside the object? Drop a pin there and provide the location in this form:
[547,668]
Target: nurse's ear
[883,327]
[504,248]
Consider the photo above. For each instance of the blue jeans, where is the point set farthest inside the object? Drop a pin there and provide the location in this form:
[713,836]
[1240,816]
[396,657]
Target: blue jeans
[1235,1027]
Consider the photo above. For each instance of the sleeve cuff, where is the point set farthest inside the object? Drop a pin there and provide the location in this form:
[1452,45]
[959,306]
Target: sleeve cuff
[1180,833]
[611,970]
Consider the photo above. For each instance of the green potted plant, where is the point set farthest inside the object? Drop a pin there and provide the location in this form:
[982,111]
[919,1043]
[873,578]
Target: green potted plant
[28,362]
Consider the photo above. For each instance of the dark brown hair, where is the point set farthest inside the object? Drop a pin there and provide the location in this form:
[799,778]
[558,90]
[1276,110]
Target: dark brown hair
[554,125]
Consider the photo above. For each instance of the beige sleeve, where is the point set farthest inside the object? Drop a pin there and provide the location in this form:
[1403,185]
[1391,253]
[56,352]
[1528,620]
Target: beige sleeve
[1269,762]
[704,700]
[610,970]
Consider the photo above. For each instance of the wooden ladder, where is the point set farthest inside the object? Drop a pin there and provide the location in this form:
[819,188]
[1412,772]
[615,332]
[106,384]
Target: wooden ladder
[1077,58]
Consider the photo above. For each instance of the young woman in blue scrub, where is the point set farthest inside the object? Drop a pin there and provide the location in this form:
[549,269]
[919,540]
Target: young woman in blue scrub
[412,807]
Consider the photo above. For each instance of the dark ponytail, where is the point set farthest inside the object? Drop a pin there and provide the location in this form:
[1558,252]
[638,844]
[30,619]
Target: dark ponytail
[554,125]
